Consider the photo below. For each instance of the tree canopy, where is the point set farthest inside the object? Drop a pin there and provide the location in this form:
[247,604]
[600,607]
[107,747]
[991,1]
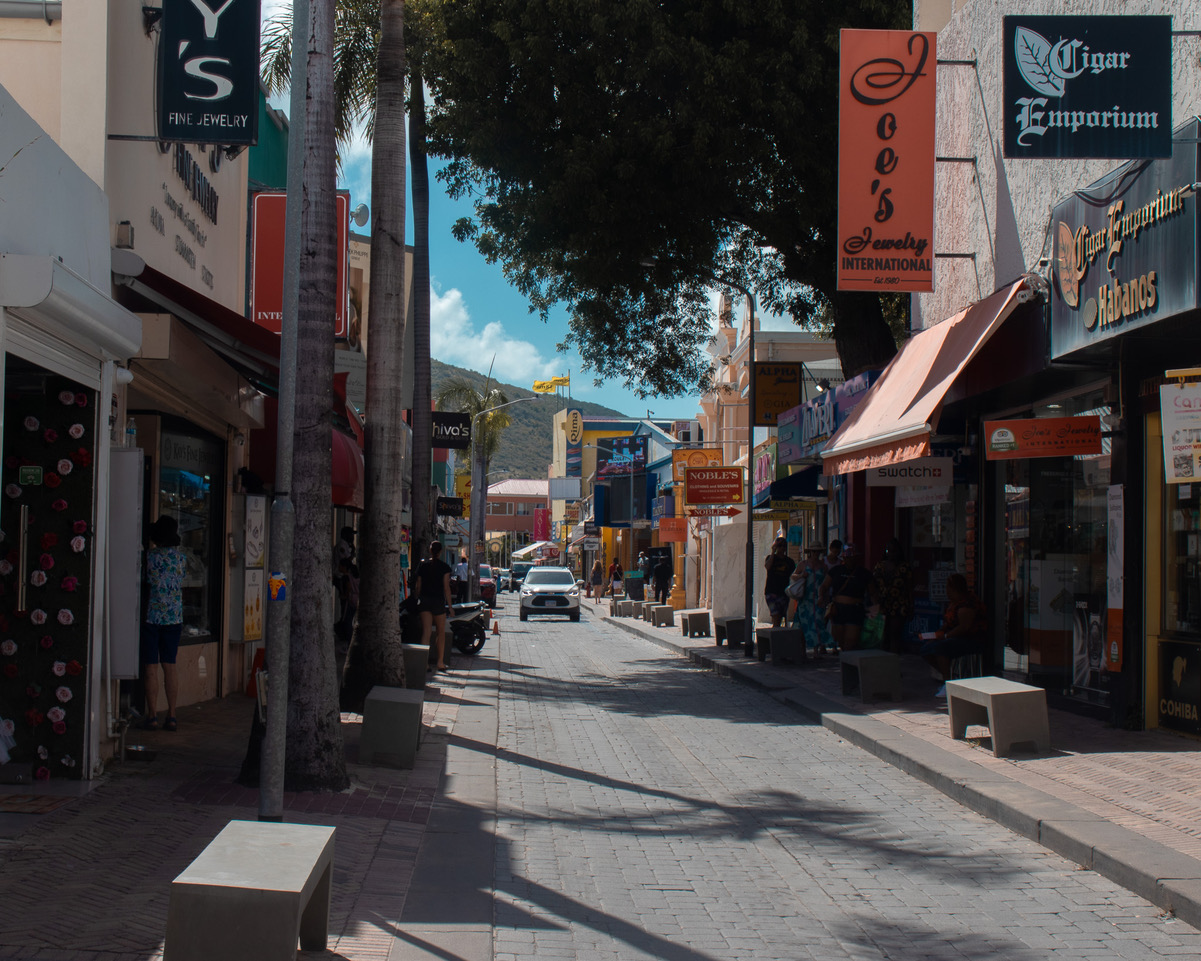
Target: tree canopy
[699,137]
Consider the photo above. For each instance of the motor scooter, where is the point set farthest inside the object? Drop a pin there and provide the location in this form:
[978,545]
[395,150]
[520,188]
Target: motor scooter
[467,624]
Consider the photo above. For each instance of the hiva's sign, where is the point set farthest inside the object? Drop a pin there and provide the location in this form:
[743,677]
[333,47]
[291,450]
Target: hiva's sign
[1042,437]
[208,72]
[1087,86]
[1130,259]
[451,429]
[886,161]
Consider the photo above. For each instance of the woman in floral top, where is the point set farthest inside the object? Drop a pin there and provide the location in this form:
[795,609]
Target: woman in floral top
[163,622]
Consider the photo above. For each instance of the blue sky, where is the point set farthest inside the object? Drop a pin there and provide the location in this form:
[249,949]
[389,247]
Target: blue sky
[478,318]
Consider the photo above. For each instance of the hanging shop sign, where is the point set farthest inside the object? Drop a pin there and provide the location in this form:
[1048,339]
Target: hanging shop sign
[765,471]
[713,485]
[208,72]
[1126,249]
[1042,437]
[451,429]
[886,160]
[1180,414]
[804,431]
[673,530]
[684,457]
[1087,86]
[541,523]
[777,389]
[267,260]
[919,472]
[573,426]
[450,506]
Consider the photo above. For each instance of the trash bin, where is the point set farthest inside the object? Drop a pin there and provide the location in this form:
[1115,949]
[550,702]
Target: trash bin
[635,588]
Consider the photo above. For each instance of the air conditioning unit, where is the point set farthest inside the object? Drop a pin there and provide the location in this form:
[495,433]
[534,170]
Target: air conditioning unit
[687,431]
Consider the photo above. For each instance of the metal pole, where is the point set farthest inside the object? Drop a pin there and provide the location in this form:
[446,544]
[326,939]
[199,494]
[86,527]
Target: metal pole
[749,638]
[283,514]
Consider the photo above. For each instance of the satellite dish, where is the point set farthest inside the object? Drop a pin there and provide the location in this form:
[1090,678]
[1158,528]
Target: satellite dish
[360,215]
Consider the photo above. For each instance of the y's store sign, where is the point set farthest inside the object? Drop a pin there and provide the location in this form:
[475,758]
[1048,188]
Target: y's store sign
[208,72]
[886,161]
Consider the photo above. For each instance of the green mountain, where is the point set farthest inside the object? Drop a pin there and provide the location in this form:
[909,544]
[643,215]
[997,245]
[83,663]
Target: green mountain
[526,448]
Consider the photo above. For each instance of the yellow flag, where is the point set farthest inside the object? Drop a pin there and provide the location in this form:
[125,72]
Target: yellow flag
[544,387]
[561,381]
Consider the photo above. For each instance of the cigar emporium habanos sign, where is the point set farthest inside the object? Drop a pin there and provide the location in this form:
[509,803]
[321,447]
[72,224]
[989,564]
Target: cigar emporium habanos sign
[886,161]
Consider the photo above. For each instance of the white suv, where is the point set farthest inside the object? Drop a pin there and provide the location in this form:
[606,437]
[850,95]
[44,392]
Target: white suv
[550,590]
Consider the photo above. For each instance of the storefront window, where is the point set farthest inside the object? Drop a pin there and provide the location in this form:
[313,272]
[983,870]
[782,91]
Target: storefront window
[190,472]
[1182,560]
[1053,558]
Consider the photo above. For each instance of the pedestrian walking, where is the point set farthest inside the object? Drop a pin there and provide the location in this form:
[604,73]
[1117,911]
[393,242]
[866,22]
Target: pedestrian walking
[596,580]
[894,587]
[805,588]
[663,575]
[432,588]
[844,591]
[779,567]
[162,624]
[615,585]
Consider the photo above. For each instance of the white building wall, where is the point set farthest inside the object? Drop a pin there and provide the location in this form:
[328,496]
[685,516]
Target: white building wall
[1000,208]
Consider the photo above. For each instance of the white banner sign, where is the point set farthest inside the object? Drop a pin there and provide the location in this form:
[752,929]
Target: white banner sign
[1180,413]
[922,496]
[921,472]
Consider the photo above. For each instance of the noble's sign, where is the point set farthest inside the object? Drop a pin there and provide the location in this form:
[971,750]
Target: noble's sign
[1129,259]
[713,485]
[1042,437]
[886,161]
[1087,86]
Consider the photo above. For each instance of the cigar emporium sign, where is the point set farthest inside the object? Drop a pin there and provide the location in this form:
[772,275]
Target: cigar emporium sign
[1087,86]
[886,161]
[1125,249]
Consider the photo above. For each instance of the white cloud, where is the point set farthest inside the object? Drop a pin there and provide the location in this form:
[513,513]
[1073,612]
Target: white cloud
[455,339]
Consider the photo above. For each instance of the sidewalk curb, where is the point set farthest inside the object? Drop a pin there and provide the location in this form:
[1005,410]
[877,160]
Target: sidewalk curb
[1152,870]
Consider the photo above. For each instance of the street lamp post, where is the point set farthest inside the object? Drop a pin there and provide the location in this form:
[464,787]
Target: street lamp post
[479,497]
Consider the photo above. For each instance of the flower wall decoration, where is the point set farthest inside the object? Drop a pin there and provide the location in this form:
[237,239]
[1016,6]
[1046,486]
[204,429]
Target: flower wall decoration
[43,675]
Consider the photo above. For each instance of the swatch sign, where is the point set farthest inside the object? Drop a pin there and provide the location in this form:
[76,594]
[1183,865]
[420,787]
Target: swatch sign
[1088,86]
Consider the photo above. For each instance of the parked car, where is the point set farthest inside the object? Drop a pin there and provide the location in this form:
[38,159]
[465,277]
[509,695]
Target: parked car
[550,590]
[517,574]
[487,585]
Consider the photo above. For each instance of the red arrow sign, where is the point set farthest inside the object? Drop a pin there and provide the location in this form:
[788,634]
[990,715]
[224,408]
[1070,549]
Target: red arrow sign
[713,511]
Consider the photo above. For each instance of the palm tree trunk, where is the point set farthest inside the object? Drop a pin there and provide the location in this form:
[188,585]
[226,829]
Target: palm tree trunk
[315,758]
[376,655]
[422,421]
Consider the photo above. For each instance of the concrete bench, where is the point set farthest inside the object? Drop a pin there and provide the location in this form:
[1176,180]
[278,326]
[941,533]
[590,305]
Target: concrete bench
[646,607]
[625,608]
[391,726]
[875,673]
[728,629]
[695,623]
[663,615]
[1014,713]
[416,658]
[782,644]
[257,889]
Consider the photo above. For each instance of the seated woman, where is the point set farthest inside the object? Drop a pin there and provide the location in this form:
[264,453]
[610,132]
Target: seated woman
[963,632]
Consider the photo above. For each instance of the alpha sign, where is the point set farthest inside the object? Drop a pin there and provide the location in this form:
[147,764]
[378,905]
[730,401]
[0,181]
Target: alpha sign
[208,72]
[1088,86]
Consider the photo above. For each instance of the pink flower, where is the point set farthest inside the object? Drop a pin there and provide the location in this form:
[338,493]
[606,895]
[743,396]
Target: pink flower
[50,435]
[49,540]
[66,618]
[10,670]
[52,480]
[59,505]
[76,431]
[63,694]
[80,527]
[32,423]
[78,544]
[74,668]
[42,752]
[59,668]
[37,616]
[67,761]
[12,490]
[56,713]
[38,578]
[45,562]
[83,457]
[42,774]
[69,584]
[64,466]
[33,689]
[66,398]
[8,647]
[59,727]
[81,400]
[33,717]
[46,641]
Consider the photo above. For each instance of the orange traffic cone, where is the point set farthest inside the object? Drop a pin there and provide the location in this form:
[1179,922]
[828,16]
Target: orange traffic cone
[496,627]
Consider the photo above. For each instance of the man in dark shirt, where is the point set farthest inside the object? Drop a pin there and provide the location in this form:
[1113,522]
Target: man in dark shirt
[779,567]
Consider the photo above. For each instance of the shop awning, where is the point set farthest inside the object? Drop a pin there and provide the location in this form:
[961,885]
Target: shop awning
[894,421]
[802,485]
[530,551]
[347,472]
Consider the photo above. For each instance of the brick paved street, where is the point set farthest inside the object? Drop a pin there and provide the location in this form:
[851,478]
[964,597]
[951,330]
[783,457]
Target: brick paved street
[651,810]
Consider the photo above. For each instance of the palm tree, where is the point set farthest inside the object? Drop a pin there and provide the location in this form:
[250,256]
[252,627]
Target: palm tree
[369,86]
[314,757]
